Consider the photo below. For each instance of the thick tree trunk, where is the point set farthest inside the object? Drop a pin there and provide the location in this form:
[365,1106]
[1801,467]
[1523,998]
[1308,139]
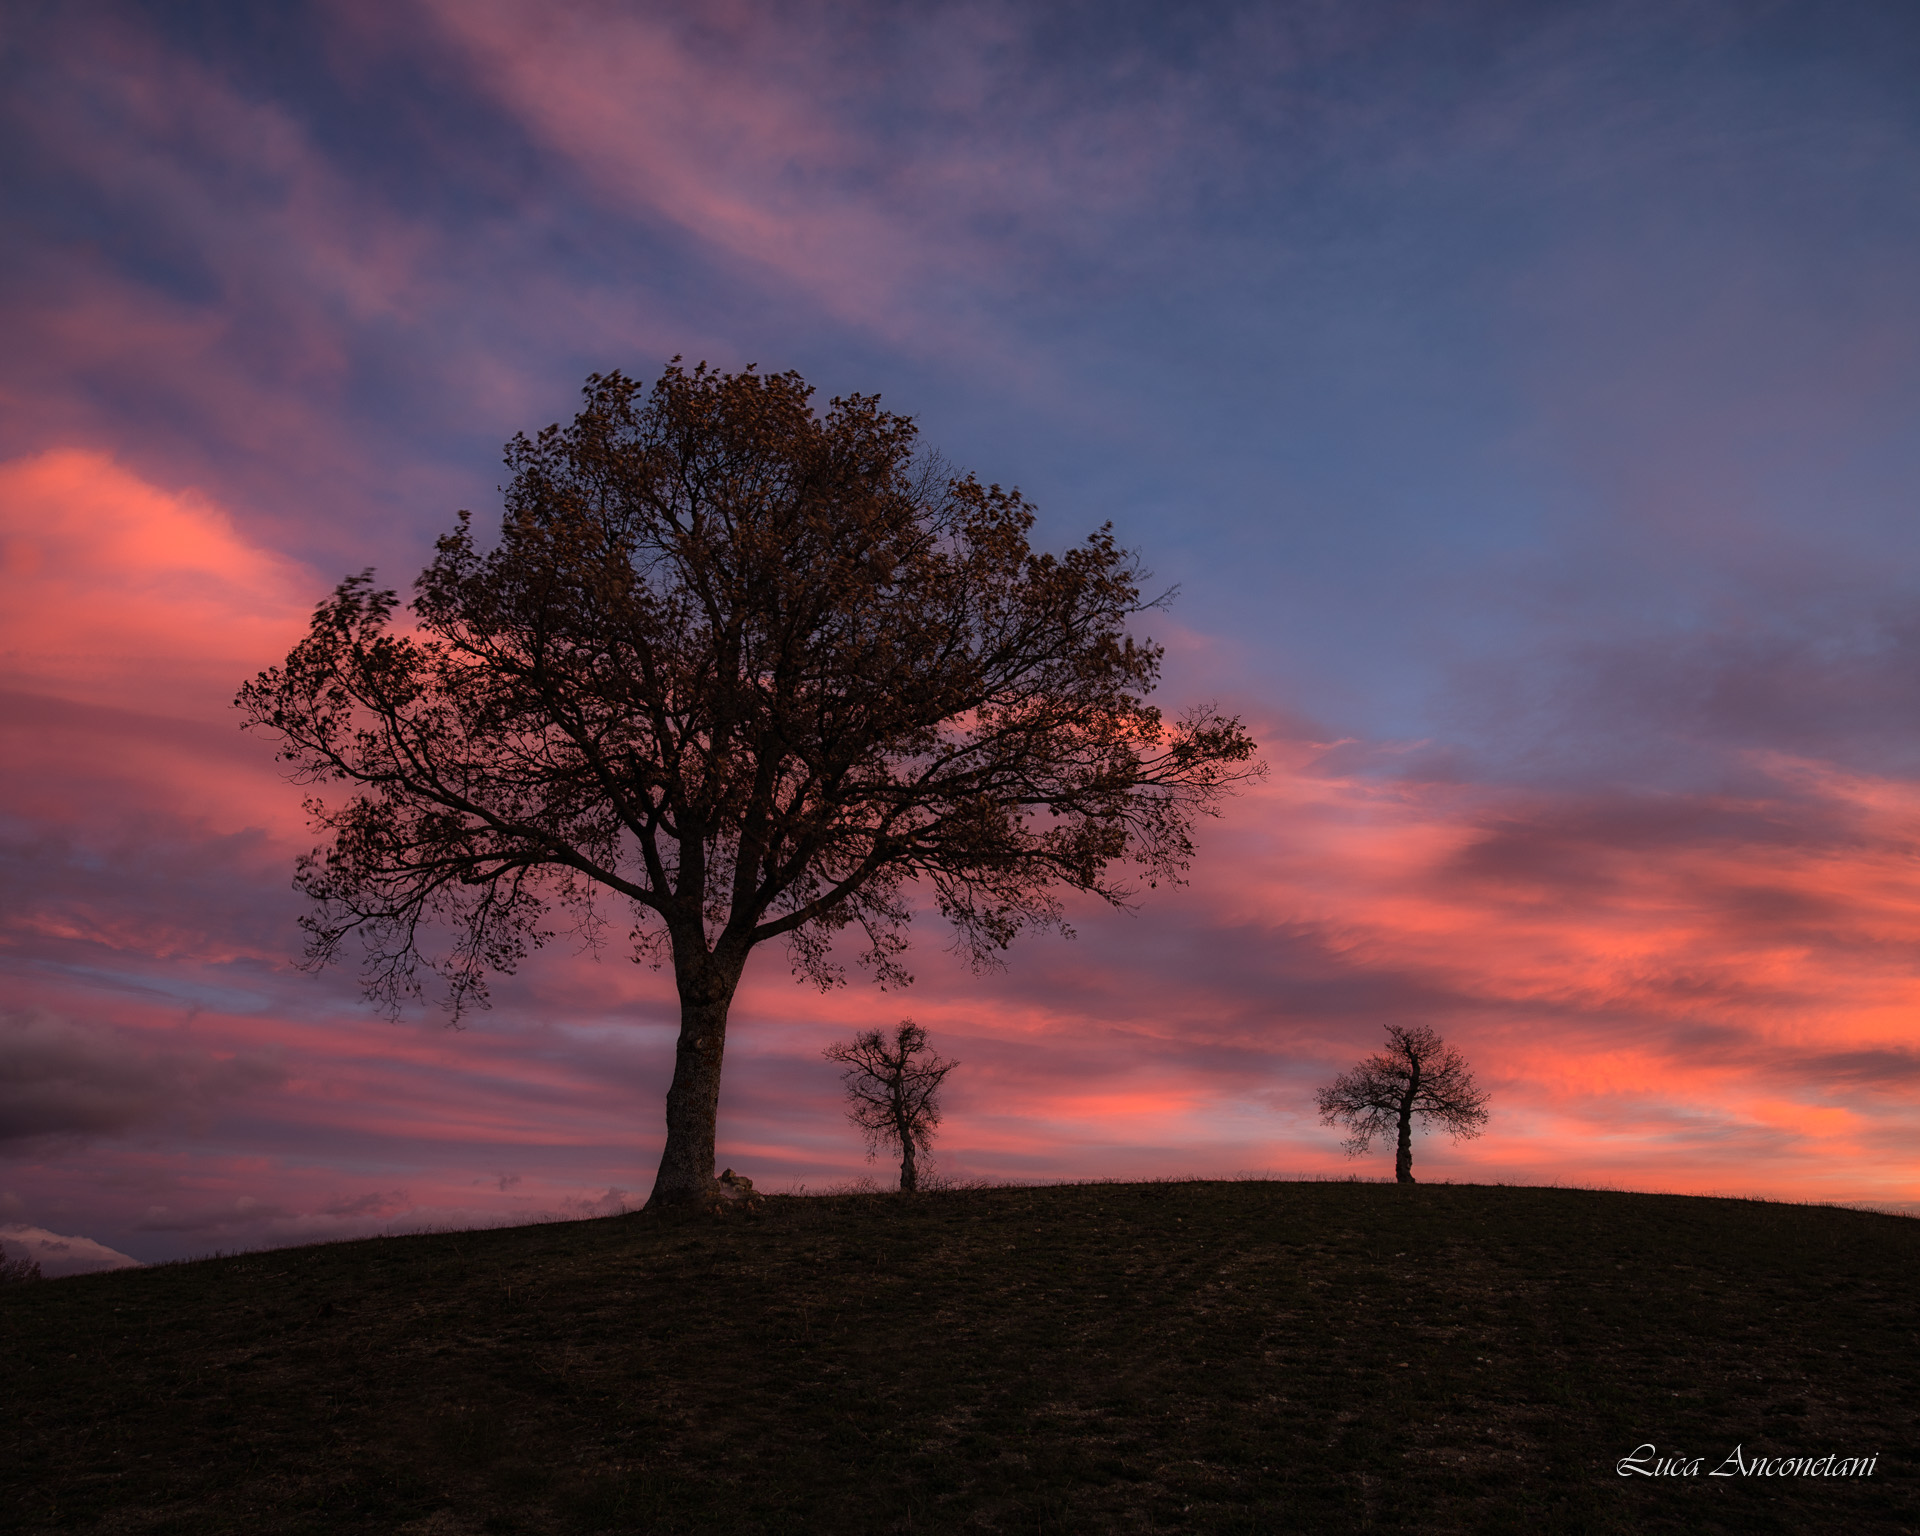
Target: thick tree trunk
[707,985]
[1403,1160]
[909,1175]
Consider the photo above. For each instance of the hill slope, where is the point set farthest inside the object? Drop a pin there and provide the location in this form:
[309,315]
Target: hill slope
[1159,1357]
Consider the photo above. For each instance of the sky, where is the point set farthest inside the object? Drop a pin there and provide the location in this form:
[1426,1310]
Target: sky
[1522,399]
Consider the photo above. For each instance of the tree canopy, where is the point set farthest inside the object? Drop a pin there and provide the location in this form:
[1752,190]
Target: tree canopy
[749,671]
[1417,1074]
[893,1088]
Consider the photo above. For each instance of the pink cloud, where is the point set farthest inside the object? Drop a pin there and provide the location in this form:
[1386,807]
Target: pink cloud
[116,593]
[1709,994]
[1700,990]
[1638,1027]
[915,227]
[297,332]
[129,614]
[1706,992]
[1692,992]
[744,160]
[58,1255]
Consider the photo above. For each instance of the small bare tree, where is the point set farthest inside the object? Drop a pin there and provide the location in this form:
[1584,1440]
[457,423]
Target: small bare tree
[1417,1074]
[894,1087]
[16,1270]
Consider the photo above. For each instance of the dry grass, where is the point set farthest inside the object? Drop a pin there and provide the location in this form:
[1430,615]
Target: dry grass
[1112,1357]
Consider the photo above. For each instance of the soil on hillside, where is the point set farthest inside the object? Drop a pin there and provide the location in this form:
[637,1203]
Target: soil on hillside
[1103,1358]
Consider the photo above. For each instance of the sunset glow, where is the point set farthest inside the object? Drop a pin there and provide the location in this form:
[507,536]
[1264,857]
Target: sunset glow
[1548,520]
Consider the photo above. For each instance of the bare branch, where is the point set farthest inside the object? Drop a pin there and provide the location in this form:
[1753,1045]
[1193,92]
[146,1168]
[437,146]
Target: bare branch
[752,668]
[1418,1074]
[893,1086]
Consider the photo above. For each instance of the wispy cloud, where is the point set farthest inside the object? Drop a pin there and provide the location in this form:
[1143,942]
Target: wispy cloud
[1536,385]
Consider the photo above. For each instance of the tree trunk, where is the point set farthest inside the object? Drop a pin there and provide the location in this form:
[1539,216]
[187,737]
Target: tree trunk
[903,1129]
[707,984]
[1403,1160]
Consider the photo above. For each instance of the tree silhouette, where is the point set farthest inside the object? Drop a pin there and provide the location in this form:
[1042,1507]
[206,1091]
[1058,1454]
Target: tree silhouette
[893,1086]
[1417,1074]
[750,672]
[14,1271]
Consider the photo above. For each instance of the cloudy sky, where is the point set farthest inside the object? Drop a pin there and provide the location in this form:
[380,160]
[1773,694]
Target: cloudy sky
[1522,397]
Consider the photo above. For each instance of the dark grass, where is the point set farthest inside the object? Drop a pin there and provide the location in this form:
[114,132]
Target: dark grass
[1164,1357]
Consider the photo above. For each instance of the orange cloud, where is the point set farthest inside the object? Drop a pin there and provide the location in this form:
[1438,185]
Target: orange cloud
[1707,993]
[115,592]
[1695,992]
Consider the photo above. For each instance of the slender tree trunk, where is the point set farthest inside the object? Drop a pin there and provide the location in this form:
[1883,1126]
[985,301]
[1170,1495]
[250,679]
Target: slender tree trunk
[707,984]
[1403,1160]
[903,1129]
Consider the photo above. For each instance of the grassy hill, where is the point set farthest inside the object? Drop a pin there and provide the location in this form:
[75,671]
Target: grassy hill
[1122,1357]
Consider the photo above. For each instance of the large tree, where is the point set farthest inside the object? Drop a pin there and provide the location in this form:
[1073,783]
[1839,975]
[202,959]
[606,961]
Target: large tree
[748,671]
[1417,1074]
